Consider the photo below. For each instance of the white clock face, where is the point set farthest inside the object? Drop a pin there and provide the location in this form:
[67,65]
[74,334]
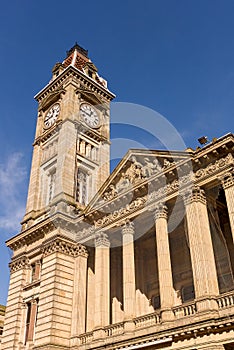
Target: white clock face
[89,115]
[52,115]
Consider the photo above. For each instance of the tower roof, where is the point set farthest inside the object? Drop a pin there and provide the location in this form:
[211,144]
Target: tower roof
[77,57]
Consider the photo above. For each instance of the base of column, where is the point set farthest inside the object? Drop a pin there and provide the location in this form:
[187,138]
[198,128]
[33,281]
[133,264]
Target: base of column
[167,315]
[99,334]
[129,326]
[207,305]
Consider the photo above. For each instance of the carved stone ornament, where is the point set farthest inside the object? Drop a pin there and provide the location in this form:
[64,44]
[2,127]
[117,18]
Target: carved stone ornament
[128,228]
[134,205]
[61,246]
[215,167]
[195,194]
[228,179]
[85,233]
[136,172]
[19,264]
[160,212]
[101,240]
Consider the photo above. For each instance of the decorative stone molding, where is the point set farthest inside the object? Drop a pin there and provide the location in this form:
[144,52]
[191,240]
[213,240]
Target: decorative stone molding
[134,205]
[160,212]
[101,240]
[195,194]
[227,179]
[215,167]
[85,233]
[128,228]
[62,246]
[19,263]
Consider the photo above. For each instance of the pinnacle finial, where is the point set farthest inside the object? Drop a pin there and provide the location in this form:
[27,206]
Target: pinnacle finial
[79,49]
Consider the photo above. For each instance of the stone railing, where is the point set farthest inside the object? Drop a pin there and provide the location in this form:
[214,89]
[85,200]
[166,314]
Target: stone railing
[187,309]
[147,320]
[226,300]
[114,329]
[86,338]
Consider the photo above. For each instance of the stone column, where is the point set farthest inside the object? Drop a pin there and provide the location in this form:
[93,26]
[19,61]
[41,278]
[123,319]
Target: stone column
[164,263]
[228,186]
[32,321]
[129,283]
[102,280]
[201,250]
[79,292]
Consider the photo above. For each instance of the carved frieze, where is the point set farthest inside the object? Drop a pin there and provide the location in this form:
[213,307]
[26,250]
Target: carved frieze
[214,167]
[65,247]
[19,264]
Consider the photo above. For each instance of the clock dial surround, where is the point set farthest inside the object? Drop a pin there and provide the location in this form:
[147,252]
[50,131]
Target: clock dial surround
[52,115]
[89,115]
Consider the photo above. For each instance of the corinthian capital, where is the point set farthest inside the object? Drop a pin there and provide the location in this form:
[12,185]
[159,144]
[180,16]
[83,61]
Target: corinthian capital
[101,240]
[128,228]
[194,194]
[227,179]
[160,211]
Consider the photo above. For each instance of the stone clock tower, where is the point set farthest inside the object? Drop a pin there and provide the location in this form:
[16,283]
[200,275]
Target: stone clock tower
[70,162]
[71,148]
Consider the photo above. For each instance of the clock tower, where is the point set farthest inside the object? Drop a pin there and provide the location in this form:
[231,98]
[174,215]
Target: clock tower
[71,149]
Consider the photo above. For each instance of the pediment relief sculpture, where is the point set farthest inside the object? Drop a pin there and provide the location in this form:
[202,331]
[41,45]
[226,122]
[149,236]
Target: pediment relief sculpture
[137,171]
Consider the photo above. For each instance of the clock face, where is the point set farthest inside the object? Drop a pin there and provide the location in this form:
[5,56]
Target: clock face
[52,115]
[89,115]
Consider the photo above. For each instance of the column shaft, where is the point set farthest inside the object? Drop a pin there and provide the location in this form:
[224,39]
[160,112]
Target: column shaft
[129,284]
[102,280]
[164,263]
[79,294]
[201,248]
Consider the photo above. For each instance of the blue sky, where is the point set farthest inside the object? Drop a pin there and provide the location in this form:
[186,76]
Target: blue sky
[175,57]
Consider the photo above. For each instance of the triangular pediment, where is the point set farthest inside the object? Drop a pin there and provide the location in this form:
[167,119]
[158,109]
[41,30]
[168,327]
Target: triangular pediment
[136,168]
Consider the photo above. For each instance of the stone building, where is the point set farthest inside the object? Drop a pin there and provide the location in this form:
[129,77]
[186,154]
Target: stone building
[139,258]
[2,314]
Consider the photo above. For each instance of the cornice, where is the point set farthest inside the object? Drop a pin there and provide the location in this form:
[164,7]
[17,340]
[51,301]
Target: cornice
[84,79]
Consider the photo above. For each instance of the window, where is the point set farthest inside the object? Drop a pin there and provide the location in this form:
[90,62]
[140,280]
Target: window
[81,190]
[187,293]
[27,321]
[33,272]
[155,300]
[51,187]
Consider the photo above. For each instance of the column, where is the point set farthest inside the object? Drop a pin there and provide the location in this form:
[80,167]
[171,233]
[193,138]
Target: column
[32,319]
[79,292]
[129,284]
[228,186]
[164,263]
[102,280]
[201,250]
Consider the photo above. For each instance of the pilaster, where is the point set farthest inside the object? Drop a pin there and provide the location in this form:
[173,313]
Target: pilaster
[164,263]
[201,250]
